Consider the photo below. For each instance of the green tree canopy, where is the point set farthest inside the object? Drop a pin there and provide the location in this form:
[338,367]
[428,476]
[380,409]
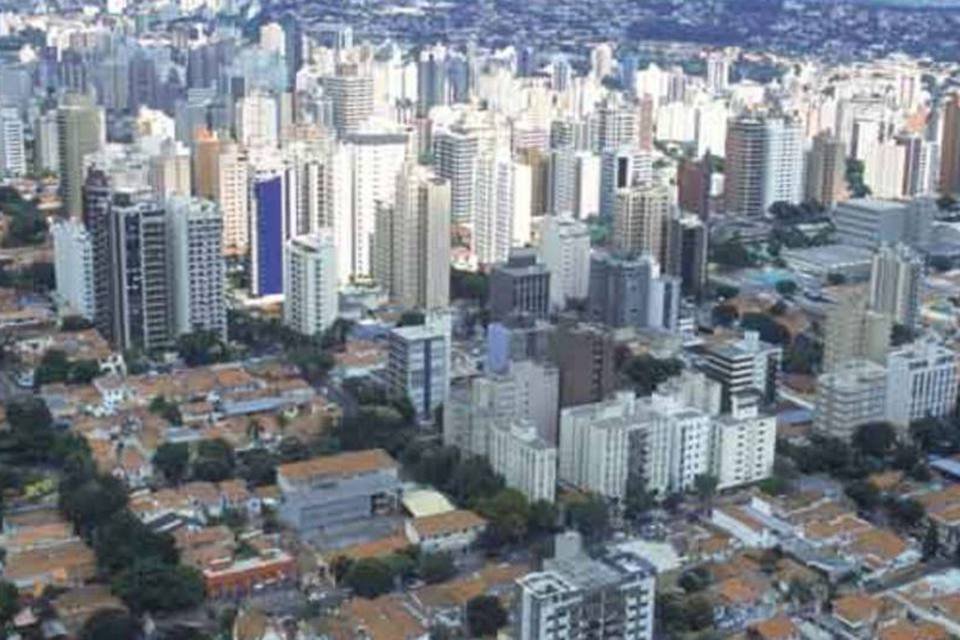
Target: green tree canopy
[485,616]
[151,585]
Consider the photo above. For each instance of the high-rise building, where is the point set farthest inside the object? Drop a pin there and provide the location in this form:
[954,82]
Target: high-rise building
[526,461]
[693,186]
[73,268]
[418,364]
[853,331]
[310,303]
[744,444]
[621,169]
[496,202]
[684,252]
[132,284]
[638,219]
[517,338]
[521,285]
[921,383]
[267,213]
[921,169]
[456,155]
[206,165]
[718,71]
[13,157]
[852,393]
[585,355]
[80,131]
[764,164]
[46,144]
[575,596]
[351,97]
[565,250]
[896,281]
[950,146]
[826,170]
[413,240]
[233,195]
[195,230]
[258,120]
[614,126]
[630,292]
[431,79]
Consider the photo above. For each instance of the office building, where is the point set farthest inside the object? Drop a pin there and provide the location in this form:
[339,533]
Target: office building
[412,242]
[327,493]
[853,331]
[950,146]
[13,156]
[205,164]
[195,229]
[520,337]
[684,253]
[310,299]
[431,79]
[520,285]
[743,365]
[575,596]
[268,211]
[852,393]
[921,383]
[565,251]
[638,219]
[896,281]
[527,462]
[80,131]
[418,364]
[868,222]
[764,164]
[630,292]
[585,355]
[73,267]
[826,170]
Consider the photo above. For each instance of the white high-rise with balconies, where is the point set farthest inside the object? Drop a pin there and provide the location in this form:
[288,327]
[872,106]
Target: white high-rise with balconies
[73,266]
[13,159]
[195,231]
[526,461]
[921,382]
[565,249]
[311,303]
[764,164]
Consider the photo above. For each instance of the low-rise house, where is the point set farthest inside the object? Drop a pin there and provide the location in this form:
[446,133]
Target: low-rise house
[65,565]
[232,578]
[777,628]
[453,531]
[748,526]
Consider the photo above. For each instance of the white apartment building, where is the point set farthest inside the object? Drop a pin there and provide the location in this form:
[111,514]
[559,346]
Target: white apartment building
[677,445]
[565,249]
[896,283]
[73,267]
[258,120]
[743,444]
[851,394]
[311,303]
[921,382]
[494,207]
[576,596]
[526,461]
[13,158]
[638,218]
[744,364]
[195,230]
[764,164]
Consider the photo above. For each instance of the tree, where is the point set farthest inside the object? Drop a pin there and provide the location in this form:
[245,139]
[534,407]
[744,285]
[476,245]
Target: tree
[172,459]
[542,519]
[726,291]
[124,539]
[151,585]
[900,335]
[769,329]
[369,578]
[854,176]
[590,517]
[906,512]
[508,514]
[9,602]
[291,449]
[31,437]
[696,579]
[467,285]
[91,503]
[875,438]
[111,624]
[931,542]
[258,467]
[411,318]
[706,487]
[725,314]
[54,367]
[437,567]
[864,493]
[214,461]
[201,348]
[648,372]
[638,500]
[731,253]
[485,616]
[75,323]
[835,279]
[786,288]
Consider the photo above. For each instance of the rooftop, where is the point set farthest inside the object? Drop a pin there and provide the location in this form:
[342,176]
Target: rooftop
[343,464]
